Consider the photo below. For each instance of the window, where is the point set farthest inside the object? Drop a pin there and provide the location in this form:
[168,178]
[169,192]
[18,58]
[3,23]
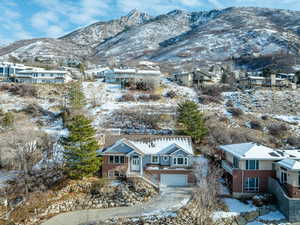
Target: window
[116,159]
[166,158]
[299,179]
[251,184]
[252,164]
[114,173]
[154,159]
[235,162]
[180,161]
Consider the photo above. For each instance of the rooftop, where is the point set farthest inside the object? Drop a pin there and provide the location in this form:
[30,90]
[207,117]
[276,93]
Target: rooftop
[253,151]
[156,144]
[290,164]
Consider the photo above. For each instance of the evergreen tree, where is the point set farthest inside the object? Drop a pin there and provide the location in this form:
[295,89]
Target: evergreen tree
[80,148]
[76,96]
[190,119]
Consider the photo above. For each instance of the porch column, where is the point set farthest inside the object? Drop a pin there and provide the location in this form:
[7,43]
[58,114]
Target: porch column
[128,168]
[141,166]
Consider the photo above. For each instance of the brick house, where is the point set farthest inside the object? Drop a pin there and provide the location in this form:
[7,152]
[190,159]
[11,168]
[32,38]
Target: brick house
[165,161]
[251,168]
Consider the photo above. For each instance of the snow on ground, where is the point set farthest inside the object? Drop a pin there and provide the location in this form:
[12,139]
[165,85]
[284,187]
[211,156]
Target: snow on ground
[235,207]
[6,176]
[272,216]
[103,99]
[255,223]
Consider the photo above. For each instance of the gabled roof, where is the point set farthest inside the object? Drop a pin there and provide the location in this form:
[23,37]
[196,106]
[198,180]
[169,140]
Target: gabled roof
[252,151]
[156,145]
[290,164]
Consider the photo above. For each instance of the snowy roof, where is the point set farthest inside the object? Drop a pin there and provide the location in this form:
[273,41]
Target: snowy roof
[150,72]
[295,153]
[159,145]
[263,78]
[290,164]
[37,70]
[252,151]
[124,70]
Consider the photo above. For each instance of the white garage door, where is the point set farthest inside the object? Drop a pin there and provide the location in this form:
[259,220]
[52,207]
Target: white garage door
[173,180]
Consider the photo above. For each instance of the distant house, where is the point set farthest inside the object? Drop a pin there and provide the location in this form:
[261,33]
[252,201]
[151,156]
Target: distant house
[8,69]
[164,161]
[25,74]
[274,80]
[124,76]
[40,76]
[195,78]
[252,168]
[98,72]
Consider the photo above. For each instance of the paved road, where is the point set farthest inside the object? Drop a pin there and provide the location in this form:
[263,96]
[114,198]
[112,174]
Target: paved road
[169,200]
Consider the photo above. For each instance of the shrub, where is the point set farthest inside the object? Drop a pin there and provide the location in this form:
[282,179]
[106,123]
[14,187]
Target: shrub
[127,98]
[24,90]
[229,103]
[277,130]
[149,97]
[8,119]
[206,99]
[34,110]
[254,124]
[171,94]
[264,117]
[154,97]
[294,141]
[235,111]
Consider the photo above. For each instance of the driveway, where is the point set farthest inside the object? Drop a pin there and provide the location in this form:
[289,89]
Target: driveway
[168,201]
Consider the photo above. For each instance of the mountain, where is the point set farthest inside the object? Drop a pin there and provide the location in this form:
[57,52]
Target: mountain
[243,34]
[98,32]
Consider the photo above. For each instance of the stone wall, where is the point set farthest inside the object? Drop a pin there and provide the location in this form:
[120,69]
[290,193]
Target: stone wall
[290,207]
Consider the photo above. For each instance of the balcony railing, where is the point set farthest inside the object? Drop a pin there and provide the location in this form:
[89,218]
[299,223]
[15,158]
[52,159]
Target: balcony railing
[226,166]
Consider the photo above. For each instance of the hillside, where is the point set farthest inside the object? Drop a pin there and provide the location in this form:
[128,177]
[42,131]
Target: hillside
[176,37]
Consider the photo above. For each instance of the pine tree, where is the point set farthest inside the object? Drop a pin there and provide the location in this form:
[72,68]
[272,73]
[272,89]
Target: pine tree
[80,148]
[191,120]
[76,96]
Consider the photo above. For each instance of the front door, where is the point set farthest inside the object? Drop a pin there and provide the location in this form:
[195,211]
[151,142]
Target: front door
[135,163]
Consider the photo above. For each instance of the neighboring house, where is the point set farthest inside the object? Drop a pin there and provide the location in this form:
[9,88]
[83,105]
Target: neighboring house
[125,76]
[98,72]
[24,74]
[40,76]
[165,160]
[252,168]
[195,78]
[8,69]
[272,81]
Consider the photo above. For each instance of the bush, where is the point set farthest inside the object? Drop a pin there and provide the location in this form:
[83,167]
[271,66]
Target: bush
[127,98]
[206,99]
[254,124]
[171,94]
[277,130]
[229,103]
[24,90]
[294,141]
[8,119]
[147,98]
[34,110]
[264,117]
[235,111]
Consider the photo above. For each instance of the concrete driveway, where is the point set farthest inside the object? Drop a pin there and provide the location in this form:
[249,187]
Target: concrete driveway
[168,201]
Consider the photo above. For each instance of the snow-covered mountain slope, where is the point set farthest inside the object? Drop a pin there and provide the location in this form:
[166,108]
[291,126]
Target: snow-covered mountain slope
[98,32]
[178,36]
[49,49]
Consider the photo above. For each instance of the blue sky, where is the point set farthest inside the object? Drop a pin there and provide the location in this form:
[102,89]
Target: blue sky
[23,19]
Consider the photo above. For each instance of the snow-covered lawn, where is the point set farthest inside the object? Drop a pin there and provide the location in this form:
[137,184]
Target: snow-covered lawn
[272,216]
[7,176]
[235,207]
